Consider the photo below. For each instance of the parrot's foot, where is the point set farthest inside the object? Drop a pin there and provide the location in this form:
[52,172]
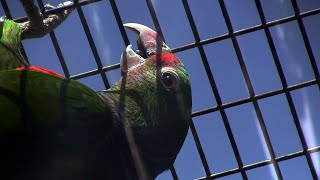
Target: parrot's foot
[38,25]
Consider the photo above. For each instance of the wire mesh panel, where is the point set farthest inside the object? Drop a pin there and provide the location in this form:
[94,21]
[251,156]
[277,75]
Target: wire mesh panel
[253,65]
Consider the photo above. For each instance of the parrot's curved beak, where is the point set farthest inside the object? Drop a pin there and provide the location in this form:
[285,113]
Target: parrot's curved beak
[148,42]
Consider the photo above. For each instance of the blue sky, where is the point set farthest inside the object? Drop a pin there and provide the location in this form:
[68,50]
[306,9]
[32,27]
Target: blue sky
[226,71]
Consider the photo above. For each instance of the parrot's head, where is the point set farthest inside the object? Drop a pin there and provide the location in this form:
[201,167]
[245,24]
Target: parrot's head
[156,97]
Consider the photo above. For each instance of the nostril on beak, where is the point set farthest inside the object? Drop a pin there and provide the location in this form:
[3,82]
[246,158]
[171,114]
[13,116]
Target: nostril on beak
[141,53]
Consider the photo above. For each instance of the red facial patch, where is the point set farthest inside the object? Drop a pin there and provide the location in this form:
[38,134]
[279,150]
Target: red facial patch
[40,69]
[167,59]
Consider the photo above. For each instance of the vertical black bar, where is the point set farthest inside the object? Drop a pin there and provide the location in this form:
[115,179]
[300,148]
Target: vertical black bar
[93,46]
[6,9]
[214,89]
[285,87]
[9,16]
[306,40]
[192,128]
[200,150]
[41,6]
[155,19]
[251,90]
[119,22]
[56,45]
[173,173]
[315,71]
[59,54]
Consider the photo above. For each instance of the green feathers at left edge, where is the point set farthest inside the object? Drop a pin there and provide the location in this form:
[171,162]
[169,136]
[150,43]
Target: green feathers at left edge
[10,33]
[30,99]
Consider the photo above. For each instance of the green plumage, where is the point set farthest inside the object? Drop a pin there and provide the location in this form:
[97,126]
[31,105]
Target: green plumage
[10,33]
[59,128]
[41,94]
[50,127]
[46,100]
[145,94]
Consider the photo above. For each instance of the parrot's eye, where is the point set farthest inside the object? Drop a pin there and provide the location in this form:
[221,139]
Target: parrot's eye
[169,80]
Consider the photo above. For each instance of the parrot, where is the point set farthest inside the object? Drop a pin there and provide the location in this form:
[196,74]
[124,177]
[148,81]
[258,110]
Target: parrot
[52,127]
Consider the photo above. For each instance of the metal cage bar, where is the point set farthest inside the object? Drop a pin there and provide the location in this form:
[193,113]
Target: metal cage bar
[214,89]
[251,90]
[306,40]
[285,85]
[155,19]
[56,45]
[232,35]
[92,46]
[247,30]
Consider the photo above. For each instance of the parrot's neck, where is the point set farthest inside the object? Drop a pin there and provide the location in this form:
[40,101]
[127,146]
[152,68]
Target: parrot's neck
[159,142]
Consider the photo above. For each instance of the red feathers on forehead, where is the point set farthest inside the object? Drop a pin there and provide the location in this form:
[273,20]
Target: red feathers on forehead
[166,59]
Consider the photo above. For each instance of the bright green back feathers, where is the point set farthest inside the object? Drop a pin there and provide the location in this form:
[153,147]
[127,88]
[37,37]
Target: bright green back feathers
[30,98]
[10,33]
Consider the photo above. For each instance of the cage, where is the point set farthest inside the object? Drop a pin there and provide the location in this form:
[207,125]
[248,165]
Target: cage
[253,65]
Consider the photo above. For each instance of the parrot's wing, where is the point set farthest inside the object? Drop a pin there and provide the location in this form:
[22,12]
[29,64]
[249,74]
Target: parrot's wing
[30,98]
[49,121]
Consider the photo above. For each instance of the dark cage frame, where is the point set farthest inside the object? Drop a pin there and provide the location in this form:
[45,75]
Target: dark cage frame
[232,35]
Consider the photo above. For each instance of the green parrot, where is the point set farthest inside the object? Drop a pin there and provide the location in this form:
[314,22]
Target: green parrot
[57,128]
